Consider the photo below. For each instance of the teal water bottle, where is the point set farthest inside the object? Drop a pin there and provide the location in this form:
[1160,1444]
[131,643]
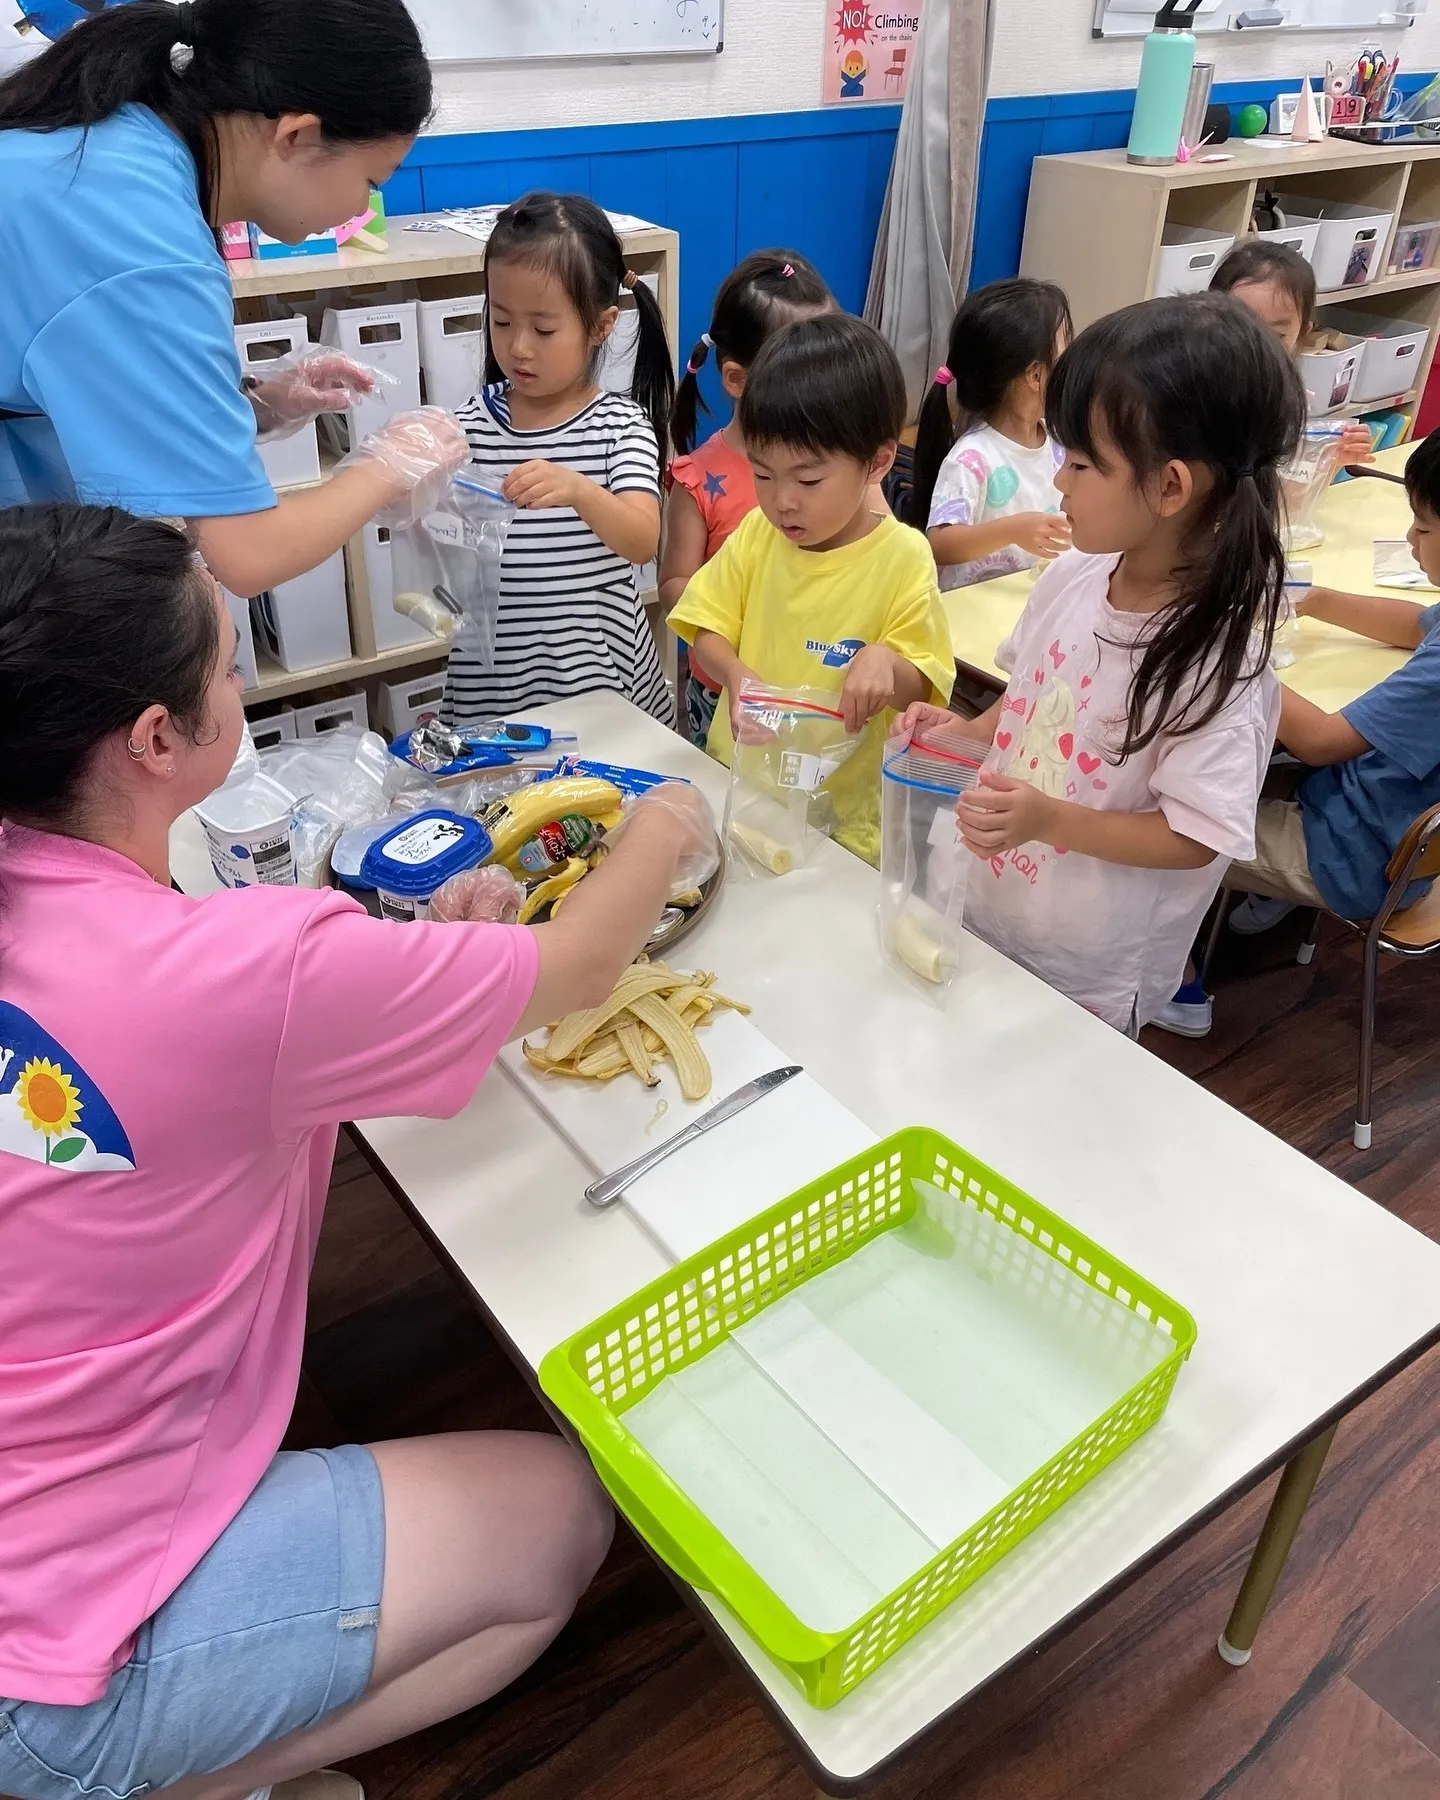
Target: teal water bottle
[1164,83]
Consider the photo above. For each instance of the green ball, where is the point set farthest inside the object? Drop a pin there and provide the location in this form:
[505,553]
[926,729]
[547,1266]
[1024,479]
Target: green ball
[1251,120]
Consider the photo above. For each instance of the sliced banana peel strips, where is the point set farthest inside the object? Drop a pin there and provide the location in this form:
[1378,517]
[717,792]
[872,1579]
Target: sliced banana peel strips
[650,1018]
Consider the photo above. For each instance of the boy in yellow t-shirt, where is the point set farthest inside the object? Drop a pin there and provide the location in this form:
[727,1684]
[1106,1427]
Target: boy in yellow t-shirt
[817,589]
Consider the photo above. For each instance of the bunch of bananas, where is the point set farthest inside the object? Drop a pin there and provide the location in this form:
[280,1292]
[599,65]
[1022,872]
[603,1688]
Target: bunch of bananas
[514,820]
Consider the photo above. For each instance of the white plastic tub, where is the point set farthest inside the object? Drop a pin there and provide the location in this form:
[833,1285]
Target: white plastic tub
[1301,235]
[1392,352]
[247,828]
[383,337]
[293,461]
[1329,378]
[1189,257]
[1350,242]
[452,349]
[304,623]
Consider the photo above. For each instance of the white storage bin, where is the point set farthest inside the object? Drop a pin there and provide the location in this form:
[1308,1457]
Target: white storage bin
[1189,256]
[1350,243]
[617,359]
[387,338]
[303,623]
[1329,377]
[244,638]
[372,592]
[273,728]
[340,713]
[1392,352]
[1299,235]
[294,460]
[452,349]
[399,704]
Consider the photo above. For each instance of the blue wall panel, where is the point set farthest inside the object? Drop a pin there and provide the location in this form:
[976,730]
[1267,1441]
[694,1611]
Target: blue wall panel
[813,180]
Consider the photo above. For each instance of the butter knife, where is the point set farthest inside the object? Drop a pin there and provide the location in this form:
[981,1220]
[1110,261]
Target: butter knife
[609,1188]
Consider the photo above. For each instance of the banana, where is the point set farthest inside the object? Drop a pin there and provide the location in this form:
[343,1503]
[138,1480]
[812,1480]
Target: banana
[770,854]
[930,959]
[511,821]
[552,889]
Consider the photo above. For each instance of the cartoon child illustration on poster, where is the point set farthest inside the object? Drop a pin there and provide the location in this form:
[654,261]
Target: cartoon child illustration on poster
[868,50]
[853,71]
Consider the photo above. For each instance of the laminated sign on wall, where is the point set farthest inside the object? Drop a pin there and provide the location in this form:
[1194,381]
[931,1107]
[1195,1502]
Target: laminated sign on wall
[868,50]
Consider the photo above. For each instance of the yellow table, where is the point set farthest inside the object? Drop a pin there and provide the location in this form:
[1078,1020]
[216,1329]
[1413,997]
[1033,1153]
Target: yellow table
[1332,666]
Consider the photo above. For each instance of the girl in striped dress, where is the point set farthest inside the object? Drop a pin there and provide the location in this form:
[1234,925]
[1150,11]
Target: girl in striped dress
[581,464]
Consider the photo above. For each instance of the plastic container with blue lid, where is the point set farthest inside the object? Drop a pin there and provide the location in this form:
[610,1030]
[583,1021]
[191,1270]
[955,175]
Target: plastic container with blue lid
[408,864]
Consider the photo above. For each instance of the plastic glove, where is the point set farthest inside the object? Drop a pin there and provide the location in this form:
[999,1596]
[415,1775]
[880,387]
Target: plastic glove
[698,842]
[489,896]
[420,451]
[298,388]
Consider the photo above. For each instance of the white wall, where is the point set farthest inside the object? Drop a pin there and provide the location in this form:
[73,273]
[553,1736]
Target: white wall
[1045,47]
[771,63]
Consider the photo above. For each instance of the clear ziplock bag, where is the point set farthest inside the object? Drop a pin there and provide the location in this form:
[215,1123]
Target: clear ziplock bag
[924,865]
[788,744]
[447,566]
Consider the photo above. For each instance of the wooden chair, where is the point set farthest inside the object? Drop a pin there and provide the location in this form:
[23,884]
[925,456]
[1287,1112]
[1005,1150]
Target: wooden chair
[1415,931]
[896,71]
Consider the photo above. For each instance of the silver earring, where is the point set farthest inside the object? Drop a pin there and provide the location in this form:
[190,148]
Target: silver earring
[137,751]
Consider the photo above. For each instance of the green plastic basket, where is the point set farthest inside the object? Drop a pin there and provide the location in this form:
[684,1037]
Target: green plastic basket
[601,1372]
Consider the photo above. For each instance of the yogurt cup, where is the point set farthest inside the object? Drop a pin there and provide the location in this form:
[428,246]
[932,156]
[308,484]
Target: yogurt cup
[248,830]
[419,855]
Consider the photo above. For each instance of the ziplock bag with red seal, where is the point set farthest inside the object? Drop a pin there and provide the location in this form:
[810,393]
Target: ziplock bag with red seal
[924,865]
[447,566]
[788,744]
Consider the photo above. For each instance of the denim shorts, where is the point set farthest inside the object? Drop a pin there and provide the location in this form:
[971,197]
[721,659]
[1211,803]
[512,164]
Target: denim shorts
[274,1629]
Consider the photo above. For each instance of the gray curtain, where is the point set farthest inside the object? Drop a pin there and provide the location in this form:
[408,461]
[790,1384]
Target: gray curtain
[922,250]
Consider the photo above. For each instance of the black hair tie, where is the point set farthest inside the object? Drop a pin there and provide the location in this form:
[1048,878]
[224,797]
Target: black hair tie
[1245,474]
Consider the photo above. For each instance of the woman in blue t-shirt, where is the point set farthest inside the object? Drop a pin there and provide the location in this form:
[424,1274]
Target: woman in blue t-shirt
[122,149]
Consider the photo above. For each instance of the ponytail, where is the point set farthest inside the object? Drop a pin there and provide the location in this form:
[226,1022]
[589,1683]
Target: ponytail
[999,332]
[653,388]
[357,65]
[1197,380]
[769,289]
[936,430]
[569,237]
[689,401]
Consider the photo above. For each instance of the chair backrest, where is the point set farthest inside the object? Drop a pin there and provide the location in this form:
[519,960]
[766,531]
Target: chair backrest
[1417,856]
[898,61]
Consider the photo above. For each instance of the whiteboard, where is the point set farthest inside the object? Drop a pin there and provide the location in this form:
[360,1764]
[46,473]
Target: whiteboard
[506,30]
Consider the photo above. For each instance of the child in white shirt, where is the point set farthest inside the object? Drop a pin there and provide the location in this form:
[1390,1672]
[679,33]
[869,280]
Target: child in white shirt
[984,465]
[1129,747]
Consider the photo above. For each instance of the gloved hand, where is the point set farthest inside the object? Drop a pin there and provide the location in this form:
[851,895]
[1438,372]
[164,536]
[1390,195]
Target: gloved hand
[697,839]
[420,452]
[298,388]
[489,896]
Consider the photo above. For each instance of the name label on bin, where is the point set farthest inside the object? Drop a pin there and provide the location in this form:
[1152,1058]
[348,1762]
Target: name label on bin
[423,843]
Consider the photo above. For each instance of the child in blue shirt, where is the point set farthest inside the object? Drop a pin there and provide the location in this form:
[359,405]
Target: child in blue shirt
[1375,765]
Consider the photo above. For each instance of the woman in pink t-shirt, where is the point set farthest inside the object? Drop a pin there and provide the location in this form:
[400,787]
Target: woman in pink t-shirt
[711,488]
[181,1607]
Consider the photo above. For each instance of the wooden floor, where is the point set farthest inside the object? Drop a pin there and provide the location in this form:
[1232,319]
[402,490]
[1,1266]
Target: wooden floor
[1342,1701]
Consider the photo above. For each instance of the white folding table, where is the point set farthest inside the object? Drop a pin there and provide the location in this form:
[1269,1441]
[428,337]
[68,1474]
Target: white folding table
[1307,1296]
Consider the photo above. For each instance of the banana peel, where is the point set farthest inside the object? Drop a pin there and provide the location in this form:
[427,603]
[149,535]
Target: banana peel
[553,889]
[651,1016]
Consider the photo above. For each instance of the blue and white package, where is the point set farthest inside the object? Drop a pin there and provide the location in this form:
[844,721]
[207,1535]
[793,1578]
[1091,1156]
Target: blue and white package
[408,864]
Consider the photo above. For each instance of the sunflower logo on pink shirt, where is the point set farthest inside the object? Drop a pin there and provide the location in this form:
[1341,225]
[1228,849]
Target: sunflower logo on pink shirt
[51,1112]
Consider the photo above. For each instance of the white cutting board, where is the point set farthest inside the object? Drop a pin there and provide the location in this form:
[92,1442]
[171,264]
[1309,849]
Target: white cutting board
[731,1173]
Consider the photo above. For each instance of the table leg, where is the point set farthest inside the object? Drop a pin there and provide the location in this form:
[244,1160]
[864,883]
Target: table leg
[1297,1483]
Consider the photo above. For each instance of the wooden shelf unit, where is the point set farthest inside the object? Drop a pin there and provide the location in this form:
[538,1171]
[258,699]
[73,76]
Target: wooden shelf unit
[431,265]
[1094,221]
